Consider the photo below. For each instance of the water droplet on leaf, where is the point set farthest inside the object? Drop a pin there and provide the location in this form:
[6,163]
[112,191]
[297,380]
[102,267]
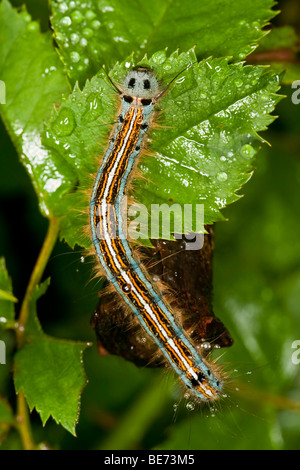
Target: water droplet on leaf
[65,122]
[222,176]
[66,21]
[75,57]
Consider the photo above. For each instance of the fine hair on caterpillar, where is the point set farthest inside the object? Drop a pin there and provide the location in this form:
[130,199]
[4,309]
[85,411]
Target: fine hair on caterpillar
[121,265]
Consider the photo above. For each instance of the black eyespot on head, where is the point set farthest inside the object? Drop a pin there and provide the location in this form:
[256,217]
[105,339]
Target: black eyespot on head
[137,148]
[146,84]
[144,126]
[121,119]
[131,83]
[146,102]
[128,99]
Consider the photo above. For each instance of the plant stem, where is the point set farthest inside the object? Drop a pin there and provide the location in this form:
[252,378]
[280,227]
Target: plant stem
[259,396]
[23,421]
[36,276]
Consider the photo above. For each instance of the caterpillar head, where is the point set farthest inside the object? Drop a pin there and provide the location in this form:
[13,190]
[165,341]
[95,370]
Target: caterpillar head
[140,83]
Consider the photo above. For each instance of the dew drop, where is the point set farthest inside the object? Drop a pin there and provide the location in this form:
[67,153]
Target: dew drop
[25,16]
[126,288]
[256,25]
[238,82]
[90,15]
[222,176]
[77,16]
[63,7]
[206,346]
[247,151]
[66,21]
[33,26]
[190,406]
[223,158]
[88,32]
[83,42]
[75,57]
[95,24]
[265,96]
[74,38]
[65,122]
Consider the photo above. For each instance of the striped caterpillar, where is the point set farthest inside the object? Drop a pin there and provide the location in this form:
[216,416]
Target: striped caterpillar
[139,95]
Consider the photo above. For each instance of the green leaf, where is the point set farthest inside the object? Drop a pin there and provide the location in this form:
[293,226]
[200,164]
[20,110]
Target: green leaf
[290,71]
[50,372]
[34,80]
[204,148]
[279,49]
[56,379]
[97,32]
[40,82]
[7,299]
[279,38]
[4,295]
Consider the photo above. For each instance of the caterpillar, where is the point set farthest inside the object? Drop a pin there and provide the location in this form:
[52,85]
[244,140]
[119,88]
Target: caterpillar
[139,94]
[186,279]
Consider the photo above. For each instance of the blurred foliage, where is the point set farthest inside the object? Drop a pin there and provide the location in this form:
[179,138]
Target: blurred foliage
[256,294]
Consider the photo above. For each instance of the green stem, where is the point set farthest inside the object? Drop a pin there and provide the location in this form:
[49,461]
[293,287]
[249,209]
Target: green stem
[259,396]
[23,421]
[36,276]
